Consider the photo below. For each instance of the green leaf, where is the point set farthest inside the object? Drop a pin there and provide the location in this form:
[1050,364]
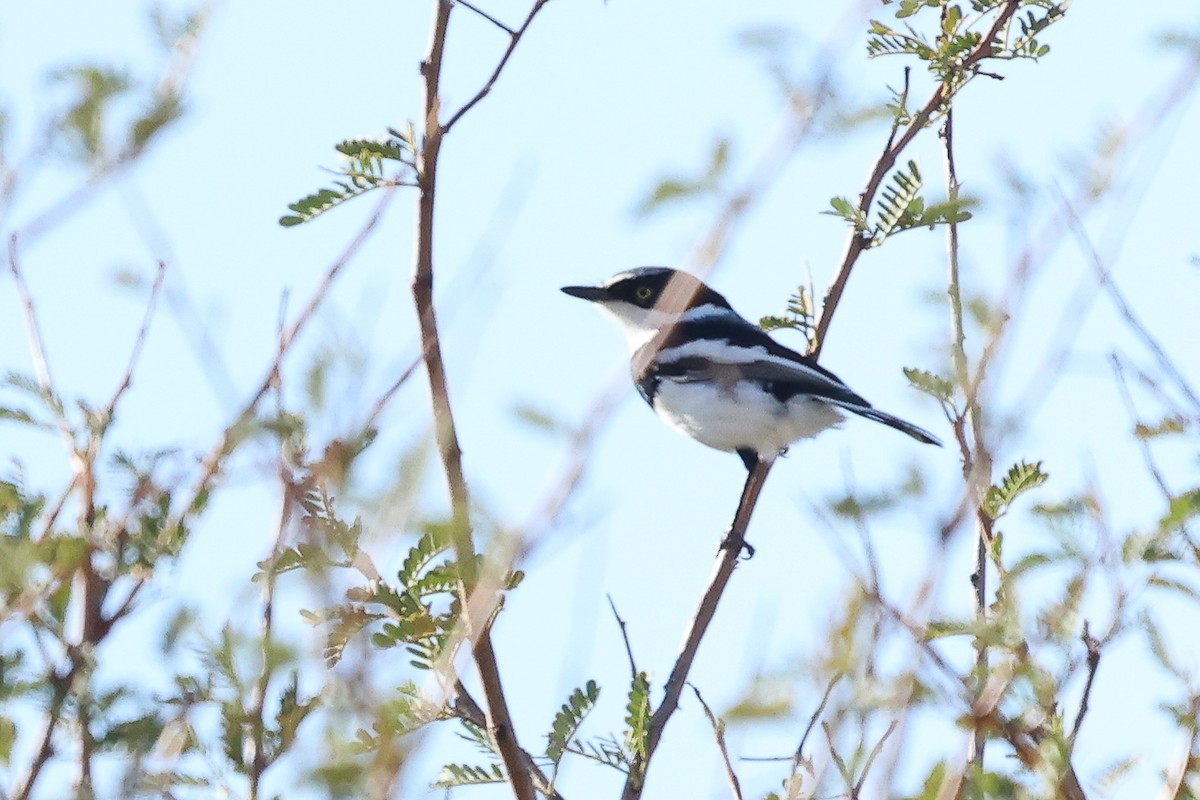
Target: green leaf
[939,628]
[478,737]
[848,211]
[367,149]
[637,716]
[21,418]
[1021,477]
[569,718]
[542,420]
[950,20]
[933,385]
[1164,427]
[603,750]
[365,169]
[8,737]
[421,556]
[898,203]
[680,188]
[468,775]
[1182,509]
[84,123]
[798,314]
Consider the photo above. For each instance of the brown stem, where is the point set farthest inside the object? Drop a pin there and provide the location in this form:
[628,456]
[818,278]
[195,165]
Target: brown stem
[735,786]
[514,37]
[499,721]
[1093,664]
[731,550]
[971,448]
[465,707]
[210,467]
[857,241]
[62,687]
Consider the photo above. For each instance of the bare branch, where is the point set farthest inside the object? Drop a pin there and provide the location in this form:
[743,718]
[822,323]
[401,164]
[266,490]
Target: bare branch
[1024,743]
[211,465]
[288,491]
[487,16]
[1143,443]
[499,721]
[37,345]
[844,770]
[798,759]
[1104,277]
[1093,663]
[45,749]
[718,727]
[856,242]
[514,39]
[875,751]
[975,465]
[731,550]
[633,670]
[139,341]
[465,707]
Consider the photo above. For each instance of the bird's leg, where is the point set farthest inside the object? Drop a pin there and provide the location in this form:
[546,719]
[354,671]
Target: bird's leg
[756,475]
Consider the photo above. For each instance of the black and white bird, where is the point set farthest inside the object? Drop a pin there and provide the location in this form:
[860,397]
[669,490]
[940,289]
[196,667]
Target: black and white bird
[710,373]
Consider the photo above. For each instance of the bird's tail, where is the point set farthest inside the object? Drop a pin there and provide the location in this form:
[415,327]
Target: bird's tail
[920,434]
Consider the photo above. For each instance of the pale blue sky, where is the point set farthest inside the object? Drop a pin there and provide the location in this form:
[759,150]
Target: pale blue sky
[601,101]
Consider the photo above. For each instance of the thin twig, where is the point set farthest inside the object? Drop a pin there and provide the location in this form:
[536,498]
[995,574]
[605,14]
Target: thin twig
[633,670]
[514,39]
[798,758]
[719,732]
[139,342]
[499,721]
[1138,124]
[1104,277]
[975,465]
[857,241]
[847,775]
[487,16]
[466,707]
[37,345]
[1093,664]
[211,465]
[731,550]
[875,751]
[1025,745]
[45,749]
[287,498]
[1191,758]
[1143,443]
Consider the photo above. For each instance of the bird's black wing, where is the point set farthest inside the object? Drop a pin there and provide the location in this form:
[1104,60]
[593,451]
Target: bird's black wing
[748,353]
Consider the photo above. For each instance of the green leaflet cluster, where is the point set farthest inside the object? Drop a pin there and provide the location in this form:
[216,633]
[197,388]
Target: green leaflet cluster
[365,167]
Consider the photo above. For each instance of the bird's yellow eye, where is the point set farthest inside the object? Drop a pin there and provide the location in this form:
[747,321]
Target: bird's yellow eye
[643,293]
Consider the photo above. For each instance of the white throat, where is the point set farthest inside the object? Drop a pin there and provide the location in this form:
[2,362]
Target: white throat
[639,324]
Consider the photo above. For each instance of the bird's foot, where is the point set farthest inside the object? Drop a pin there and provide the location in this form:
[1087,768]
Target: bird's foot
[746,549]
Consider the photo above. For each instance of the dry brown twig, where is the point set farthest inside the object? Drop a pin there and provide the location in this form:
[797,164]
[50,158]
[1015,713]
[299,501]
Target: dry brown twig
[731,550]
[857,241]
[83,449]
[499,724]
[735,786]
[211,465]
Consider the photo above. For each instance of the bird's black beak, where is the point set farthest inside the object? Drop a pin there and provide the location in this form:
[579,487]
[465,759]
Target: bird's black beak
[592,293]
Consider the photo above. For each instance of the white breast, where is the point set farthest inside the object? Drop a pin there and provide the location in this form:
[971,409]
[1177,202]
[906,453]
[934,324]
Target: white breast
[741,415]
